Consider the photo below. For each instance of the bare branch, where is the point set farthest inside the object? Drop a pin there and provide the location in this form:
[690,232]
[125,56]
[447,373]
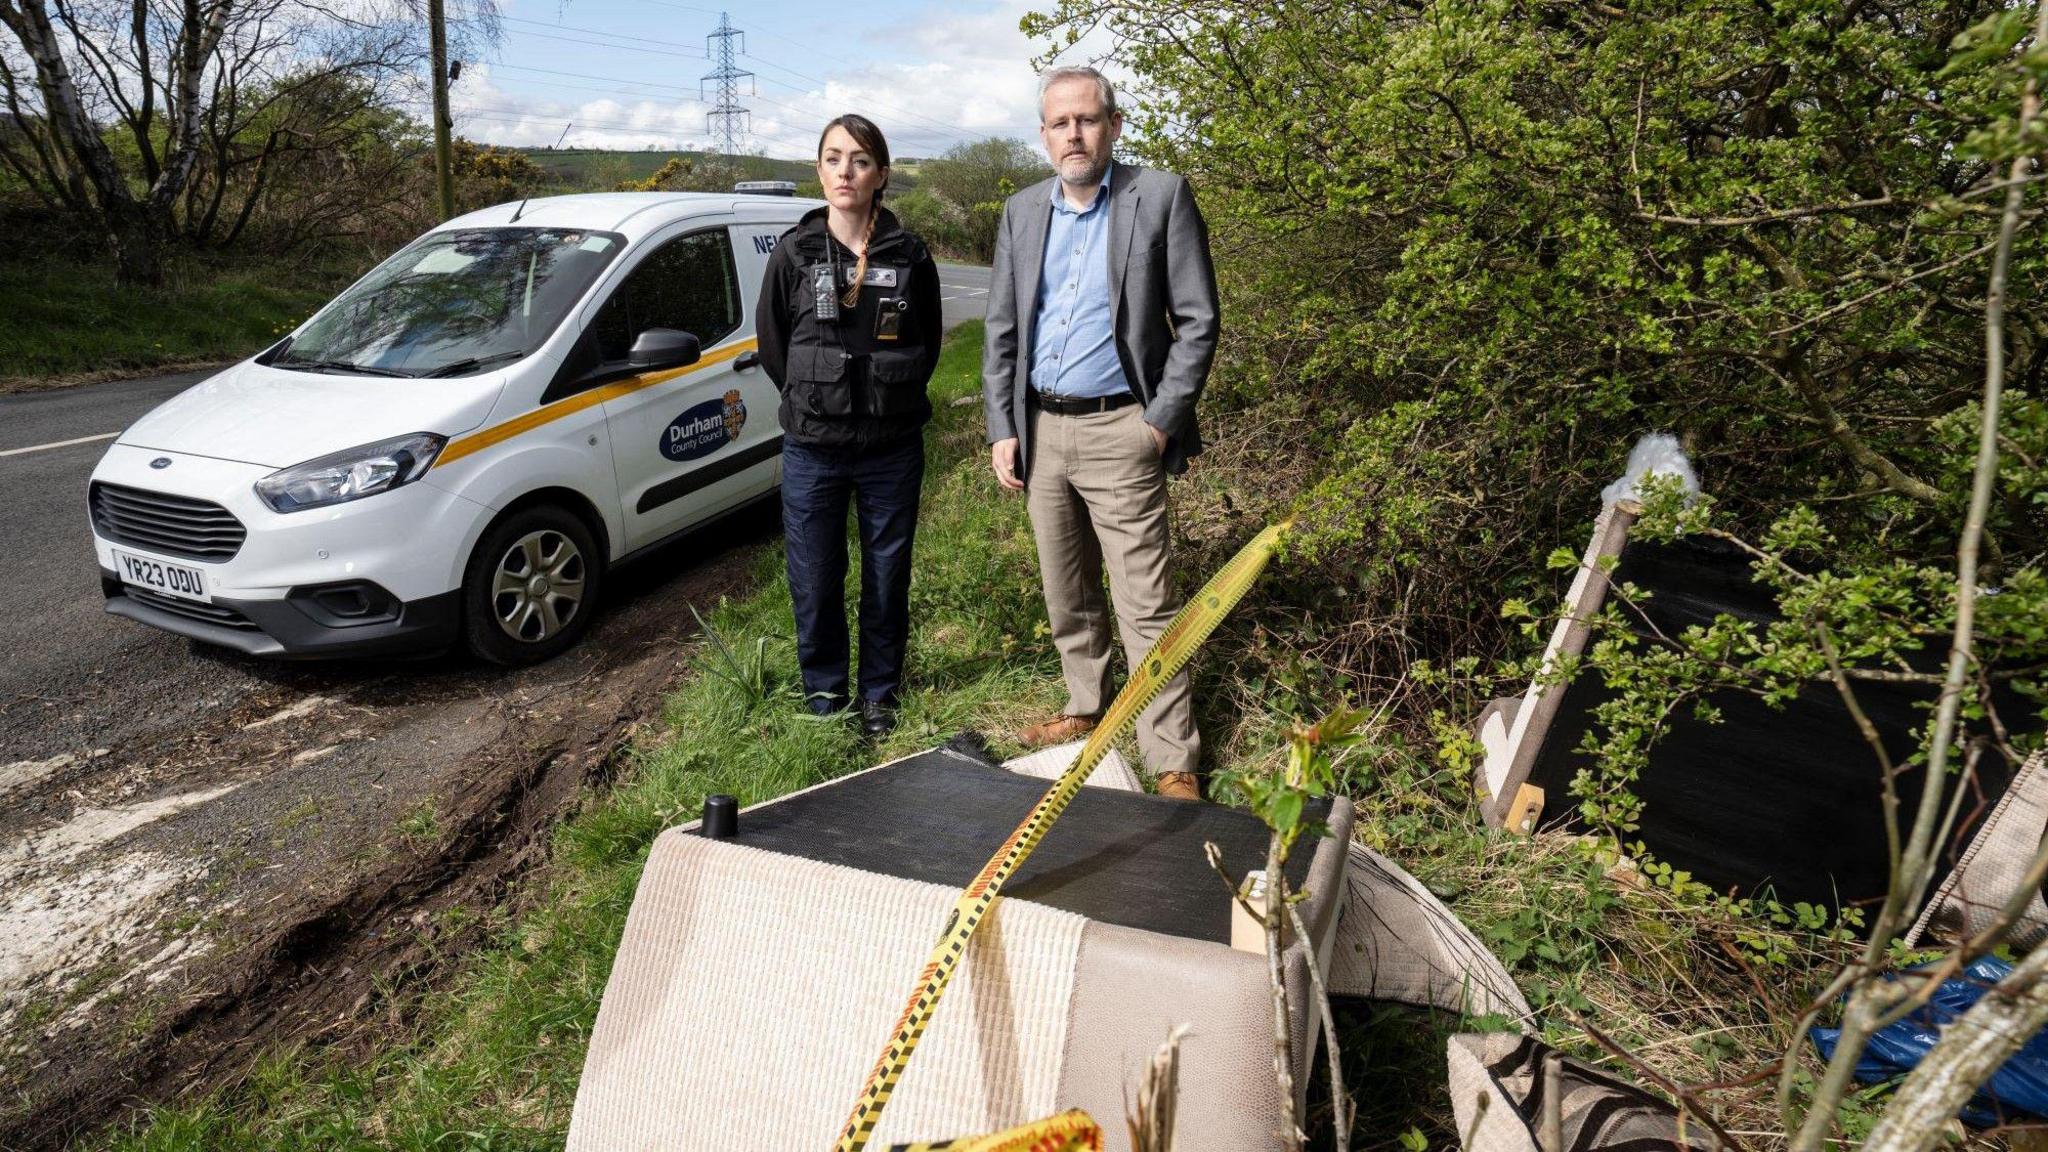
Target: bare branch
[1799,379]
[1890,286]
[1342,1108]
[1991,1031]
[1685,1099]
[1884,201]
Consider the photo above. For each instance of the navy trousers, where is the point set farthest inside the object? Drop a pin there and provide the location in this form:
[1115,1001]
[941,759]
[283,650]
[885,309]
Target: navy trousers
[882,486]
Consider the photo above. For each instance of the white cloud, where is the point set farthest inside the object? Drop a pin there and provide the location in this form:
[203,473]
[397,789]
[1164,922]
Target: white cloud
[485,111]
[959,76]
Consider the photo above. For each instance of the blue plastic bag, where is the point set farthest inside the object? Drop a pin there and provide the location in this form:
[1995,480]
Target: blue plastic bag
[2016,1092]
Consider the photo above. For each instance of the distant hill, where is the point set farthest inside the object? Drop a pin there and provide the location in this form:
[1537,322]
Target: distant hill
[596,170]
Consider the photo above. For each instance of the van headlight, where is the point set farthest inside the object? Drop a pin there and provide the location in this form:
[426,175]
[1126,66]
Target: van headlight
[351,474]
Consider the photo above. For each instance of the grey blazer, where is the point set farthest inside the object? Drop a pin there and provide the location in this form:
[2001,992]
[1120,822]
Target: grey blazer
[1163,292]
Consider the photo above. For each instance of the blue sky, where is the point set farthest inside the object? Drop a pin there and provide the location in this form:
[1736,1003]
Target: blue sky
[626,73]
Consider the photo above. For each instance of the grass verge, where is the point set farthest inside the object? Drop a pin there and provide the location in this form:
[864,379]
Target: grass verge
[492,1061]
[65,320]
[489,1057]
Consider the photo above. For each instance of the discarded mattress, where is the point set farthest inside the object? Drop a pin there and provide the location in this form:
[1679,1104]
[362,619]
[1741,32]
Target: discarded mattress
[1736,802]
[1049,763]
[1992,868]
[759,974]
[1498,1093]
[1396,941]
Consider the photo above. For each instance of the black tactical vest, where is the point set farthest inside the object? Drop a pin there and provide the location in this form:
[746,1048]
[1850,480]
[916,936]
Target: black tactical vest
[856,380]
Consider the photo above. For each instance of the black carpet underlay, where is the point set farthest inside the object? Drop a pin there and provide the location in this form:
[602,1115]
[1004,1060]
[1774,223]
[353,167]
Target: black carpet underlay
[1116,857]
[1785,799]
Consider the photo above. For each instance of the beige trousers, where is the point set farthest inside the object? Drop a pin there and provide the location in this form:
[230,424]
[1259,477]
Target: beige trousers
[1097,498]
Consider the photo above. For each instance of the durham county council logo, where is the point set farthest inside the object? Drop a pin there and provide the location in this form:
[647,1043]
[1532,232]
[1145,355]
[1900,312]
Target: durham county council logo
[705,428]
[735,414]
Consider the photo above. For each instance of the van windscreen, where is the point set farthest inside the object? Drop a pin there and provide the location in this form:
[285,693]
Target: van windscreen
[455,302]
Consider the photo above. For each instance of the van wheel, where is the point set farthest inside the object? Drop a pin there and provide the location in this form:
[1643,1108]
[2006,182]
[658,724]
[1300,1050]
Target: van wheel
[531,587]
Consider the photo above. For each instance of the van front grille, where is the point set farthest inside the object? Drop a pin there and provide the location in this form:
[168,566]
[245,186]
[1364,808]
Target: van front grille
[173,525]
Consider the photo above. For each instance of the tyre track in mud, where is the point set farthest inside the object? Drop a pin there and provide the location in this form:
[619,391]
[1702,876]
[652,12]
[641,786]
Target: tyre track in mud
[184,887]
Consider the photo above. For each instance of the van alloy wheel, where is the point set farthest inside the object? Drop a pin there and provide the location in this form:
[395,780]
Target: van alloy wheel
[538,587]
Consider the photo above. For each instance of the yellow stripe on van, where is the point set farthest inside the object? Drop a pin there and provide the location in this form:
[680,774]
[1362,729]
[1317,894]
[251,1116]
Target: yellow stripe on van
[569,405]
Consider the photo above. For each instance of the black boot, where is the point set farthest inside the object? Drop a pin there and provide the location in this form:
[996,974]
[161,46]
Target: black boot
[877,718]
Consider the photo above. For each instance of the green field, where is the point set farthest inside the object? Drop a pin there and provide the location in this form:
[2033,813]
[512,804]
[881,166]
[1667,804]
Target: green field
[581,168]
[67,320]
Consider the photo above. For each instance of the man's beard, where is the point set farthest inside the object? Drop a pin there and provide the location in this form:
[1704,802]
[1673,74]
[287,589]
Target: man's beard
[1083,170]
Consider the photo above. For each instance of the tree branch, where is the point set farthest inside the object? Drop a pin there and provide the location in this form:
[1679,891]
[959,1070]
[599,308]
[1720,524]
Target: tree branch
[1766,217]
[1980,1042]
[1802,384]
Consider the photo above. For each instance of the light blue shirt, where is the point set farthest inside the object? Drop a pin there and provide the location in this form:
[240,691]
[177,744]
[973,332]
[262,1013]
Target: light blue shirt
[1073,348]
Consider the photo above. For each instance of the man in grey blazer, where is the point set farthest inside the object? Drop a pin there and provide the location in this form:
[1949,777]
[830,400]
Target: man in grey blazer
[1101,327]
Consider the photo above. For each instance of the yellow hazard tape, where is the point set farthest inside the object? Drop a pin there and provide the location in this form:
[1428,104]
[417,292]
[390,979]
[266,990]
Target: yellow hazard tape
[1182,637]
[1073,1131]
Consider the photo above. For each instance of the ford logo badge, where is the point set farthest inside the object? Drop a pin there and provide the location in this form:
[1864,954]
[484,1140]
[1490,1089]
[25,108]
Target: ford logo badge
[160,462]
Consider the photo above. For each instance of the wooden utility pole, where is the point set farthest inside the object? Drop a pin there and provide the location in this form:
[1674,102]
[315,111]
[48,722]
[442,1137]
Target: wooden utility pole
[444,162]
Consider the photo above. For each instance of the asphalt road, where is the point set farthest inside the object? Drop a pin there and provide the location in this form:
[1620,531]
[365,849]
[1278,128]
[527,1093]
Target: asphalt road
[75,679]
[964,288]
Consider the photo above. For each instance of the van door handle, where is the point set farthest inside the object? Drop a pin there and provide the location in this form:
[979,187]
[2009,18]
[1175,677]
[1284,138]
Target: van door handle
[746,360]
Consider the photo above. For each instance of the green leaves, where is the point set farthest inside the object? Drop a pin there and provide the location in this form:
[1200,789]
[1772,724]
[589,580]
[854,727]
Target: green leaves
[1473,248]
[1284,813]
[1310,769]
[1988,41]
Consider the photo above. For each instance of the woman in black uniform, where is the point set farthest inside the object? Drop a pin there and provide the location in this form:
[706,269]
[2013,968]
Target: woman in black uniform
[849,323]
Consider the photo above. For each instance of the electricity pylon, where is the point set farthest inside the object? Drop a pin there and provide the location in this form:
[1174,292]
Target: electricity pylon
[727,122]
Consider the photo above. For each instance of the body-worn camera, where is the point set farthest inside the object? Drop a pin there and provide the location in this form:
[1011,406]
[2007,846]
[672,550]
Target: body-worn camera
[889,317]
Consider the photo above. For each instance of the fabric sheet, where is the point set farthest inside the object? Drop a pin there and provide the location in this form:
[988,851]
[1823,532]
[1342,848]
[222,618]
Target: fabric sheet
[752,992]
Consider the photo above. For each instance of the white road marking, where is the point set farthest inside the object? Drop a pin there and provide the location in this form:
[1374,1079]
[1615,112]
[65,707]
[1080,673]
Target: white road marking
[57,444]
[970,289]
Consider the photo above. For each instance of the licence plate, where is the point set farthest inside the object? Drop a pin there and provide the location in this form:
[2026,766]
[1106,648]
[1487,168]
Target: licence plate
[161,576]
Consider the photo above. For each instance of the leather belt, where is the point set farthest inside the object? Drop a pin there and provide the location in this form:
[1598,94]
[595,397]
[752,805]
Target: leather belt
[1076,406]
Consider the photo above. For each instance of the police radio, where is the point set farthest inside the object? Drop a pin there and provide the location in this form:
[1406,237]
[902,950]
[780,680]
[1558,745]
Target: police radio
[825,292]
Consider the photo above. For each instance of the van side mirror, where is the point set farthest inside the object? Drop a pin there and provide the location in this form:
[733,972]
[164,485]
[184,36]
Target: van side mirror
[659,348]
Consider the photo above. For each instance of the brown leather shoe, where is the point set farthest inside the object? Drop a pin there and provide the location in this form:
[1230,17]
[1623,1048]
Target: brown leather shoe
[1057,730]
[1179,785]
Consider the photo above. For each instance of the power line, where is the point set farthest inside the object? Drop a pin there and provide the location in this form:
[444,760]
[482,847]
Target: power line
[954,129]
[601,44]
[762,32]
[727,122]
[685,49]
[513,115]
[641,96]
[812,118]
[957,131]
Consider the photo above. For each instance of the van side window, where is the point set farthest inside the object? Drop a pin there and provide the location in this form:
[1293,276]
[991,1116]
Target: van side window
[689,284]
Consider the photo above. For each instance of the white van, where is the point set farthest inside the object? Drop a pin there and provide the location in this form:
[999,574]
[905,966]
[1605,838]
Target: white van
[460,446]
